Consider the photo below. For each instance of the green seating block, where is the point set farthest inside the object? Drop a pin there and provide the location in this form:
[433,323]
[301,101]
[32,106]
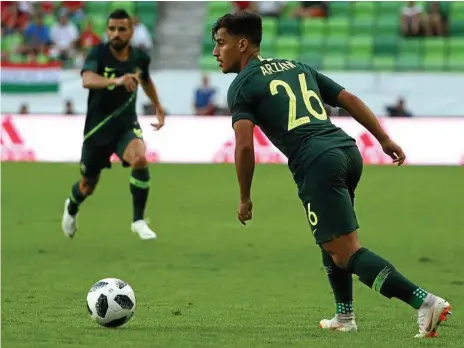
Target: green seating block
[361,45]
[340,8]
[208,63]
[338,26]
[336,45]
[289,27]
[334,63]
[408,62]
[381,63]
[315,26]
[385,45]
[129,6]
[434,63]
[270,26]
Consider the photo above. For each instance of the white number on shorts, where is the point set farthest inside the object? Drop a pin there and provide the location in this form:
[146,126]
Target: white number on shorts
[312,218]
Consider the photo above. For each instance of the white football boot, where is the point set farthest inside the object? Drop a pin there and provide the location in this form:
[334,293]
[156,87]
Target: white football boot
[341,322]
[141,228]
[432,313]
[69,222]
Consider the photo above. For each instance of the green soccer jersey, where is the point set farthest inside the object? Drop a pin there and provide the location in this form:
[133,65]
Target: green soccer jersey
[111,111]
[285,99]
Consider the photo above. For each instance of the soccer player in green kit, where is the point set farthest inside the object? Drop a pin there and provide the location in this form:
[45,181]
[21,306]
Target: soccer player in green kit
[285,99]
[112,73]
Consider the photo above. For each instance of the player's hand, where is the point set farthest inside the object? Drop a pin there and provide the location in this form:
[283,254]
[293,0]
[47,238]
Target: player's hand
[130,81]
[393,150]
[160,115]
[244,211]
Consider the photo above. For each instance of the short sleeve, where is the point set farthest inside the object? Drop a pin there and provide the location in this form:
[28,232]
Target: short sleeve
[145,67]
[329,89]
[239,101]
[91,61]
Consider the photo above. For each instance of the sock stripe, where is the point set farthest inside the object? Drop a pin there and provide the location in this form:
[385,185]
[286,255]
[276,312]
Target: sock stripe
[380,279]
[73,199]
[139,183]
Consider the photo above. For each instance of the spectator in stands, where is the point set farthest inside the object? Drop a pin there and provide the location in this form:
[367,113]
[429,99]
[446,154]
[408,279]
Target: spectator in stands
[398,110]
[244,6]
[24,109]
[37,35]
[141,38]
[88,37]
[434,20]
[204,99]
[74,9]
[411,19]
[64,36]
[270,8]
[69,108]
[12,16]
[316,9]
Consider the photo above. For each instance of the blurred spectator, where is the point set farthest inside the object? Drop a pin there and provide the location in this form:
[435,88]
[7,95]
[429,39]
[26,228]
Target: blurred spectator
[141,38]
[69,108]
[398,110]
[24,109]
[411,16]
[311,9]
[74,9]
[434,20]
[270,8]
[204,99]
[244,6]
[12,17]
[37,35]
[64,36]
[88,37]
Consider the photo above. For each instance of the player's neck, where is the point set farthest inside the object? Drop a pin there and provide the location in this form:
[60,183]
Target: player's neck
[122,55]
[245,61]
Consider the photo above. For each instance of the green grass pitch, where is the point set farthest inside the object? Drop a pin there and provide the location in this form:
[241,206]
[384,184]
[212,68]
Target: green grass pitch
[208,281]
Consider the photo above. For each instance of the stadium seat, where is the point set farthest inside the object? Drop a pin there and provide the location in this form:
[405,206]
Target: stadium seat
[387,25]
[362,26]
[385,45]
[413,46]
[289,27]
[389,8]
[339,8]
[129,6]
[361,46]
[96,8]
[435,46]
[359,62]
[433,62]
[208,63]
[366,8]
[146,7]
[315,26]
[314,43]
[383,63]
[333,63]
[455,63]
[338,27]
[287,47]
[99,24]
[456,46]
[149,19]
[207,45]
[313,59]
[218,8]
[336,45]
[408,62]
[270,27]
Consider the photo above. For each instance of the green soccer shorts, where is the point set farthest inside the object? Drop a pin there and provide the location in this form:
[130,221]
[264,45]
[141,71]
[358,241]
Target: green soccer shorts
[327,191]
[96,158]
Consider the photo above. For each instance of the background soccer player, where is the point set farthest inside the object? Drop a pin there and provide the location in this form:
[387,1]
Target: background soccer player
[285,99]
[112,73]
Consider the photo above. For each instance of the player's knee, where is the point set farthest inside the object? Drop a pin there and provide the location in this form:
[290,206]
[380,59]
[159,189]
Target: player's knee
[87,185]
[139,162]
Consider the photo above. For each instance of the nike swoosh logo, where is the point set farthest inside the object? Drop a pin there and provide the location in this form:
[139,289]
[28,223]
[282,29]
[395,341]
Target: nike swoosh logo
[314,231]
[109,69]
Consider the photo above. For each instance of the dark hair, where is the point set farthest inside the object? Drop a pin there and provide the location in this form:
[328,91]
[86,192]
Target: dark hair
[243,23]
[119,14]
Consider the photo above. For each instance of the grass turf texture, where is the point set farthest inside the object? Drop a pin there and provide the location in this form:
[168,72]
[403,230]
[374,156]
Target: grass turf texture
[208,281]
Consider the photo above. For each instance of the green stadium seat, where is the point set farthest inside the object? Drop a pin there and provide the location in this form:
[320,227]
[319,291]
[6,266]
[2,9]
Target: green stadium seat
[362,26]
[358,64]
[383,63]
[96,8]
[99,24]
[385,45]
[334,63]
[361,46]
[408,62]
[410,46]
[268,44]
[315,26]
[336,45]
[208,63]
[456,46]
[129,6]
[287,47]
[312,44]
[364,8]
[338,27]
[270,26]
[290,8]
[455,63]
[149,19]
[289,27]
[456,9]
[457,27]
[146,6]
[435,46]
[49,20]
[313,59]
[11,42]
[218,8]
[389,7]
[207,45]
[387,25]
[339,8]
[433,63]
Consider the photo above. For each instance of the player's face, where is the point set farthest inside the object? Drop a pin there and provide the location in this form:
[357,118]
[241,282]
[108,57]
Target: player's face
[119,33]
[227,51]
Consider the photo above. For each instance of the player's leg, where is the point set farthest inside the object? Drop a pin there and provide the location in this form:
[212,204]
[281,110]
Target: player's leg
[131,149]
[372,270]
[312,191]
[93,160]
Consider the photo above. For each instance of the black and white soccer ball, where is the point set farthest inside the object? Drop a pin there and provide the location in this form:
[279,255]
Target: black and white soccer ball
[111,302]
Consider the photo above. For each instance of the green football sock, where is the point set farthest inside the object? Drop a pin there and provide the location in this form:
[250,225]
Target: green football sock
[139,186]
[383,277]
[341,282]
[76,198]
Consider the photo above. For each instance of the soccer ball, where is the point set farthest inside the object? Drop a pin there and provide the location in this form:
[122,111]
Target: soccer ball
[111,302]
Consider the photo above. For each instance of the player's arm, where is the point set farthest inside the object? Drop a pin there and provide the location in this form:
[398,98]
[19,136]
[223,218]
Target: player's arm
[149,88]
[244,156]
